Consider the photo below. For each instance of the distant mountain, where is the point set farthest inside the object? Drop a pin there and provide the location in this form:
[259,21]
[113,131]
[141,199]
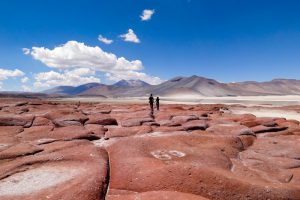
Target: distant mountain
[274,87]
[193,86]
[70,90]
[131,83]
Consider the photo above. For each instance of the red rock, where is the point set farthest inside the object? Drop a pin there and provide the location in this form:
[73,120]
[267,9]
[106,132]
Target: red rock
[96,129]
[135,122]
[168,128]
[91,111]
[101,119]
[263,129]
[195,125]
[63,133]
[247,140]
[152,195]
[21,103]
[188,164]
[230,130]
[21,149]
[64,123]
[277,147]
[184,119]
[41,121]
[168,123]
[66,117]
[13,120]
[147,161]
[64,170]
[127,131]
[10,130]
[238,118]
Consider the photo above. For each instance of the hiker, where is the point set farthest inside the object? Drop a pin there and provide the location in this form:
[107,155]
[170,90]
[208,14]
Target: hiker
[151,101]
[157,103]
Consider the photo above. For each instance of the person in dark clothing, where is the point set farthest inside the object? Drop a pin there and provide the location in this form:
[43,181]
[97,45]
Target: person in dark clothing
[157,103]
[151,101]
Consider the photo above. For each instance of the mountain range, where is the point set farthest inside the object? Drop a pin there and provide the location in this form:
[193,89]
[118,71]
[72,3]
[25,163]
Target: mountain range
[193,86]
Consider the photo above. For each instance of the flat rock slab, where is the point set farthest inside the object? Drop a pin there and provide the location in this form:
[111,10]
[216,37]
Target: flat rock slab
[16,120]
[101,119]
[188,164]
[64,170]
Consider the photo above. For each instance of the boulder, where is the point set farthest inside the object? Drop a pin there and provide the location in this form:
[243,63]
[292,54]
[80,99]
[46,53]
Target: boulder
[264,129]
[16,120]
[101,119]
[195,125]
[66,117]
[136,122]
[96,129]
[184,119]
[41,121]
[230,130]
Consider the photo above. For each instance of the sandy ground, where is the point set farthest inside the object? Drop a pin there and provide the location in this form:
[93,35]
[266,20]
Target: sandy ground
[267,112]
[243,100]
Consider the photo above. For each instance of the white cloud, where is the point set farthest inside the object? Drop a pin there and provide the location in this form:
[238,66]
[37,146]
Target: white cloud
[24,80]
[68,77]
[128,75]
[147,14]
[75,54]
[6,73]
[26,51]
[130,37]
[104,40]
[26,88]
[78,64]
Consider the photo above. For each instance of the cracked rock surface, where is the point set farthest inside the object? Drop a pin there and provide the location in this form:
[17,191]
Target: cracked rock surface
[92,151]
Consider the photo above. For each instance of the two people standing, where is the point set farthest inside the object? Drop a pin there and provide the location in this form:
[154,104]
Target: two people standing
[151,102]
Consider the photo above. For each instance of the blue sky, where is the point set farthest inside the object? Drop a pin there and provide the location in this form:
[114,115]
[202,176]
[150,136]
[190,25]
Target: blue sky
[227,40]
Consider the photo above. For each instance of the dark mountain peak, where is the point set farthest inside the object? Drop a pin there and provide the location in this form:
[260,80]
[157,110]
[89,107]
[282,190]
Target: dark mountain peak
[283,80]
[91,84]
[177,78]
[131,83]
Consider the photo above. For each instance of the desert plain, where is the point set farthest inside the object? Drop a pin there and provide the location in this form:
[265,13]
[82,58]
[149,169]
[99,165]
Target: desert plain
[114,149]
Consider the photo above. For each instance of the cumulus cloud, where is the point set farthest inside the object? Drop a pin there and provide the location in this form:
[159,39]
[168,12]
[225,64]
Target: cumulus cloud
[67,77]
[78,64]
[26,88]
[134,75]
[147,14]
[26,51]
[104,40]
[6,73]
[75,54]
[24,80]
[130,36]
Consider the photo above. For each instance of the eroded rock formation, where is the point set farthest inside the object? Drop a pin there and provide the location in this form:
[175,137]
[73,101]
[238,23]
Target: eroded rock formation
[99,151]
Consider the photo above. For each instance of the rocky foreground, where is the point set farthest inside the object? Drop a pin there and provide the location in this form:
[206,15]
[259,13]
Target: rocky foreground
[119,152]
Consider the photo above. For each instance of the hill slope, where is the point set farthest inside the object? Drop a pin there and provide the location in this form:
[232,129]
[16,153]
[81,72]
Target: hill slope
[183,86]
